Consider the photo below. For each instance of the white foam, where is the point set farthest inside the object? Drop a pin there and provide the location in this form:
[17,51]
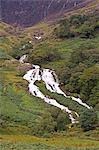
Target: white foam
[51,81]
[33,75]
[38,37]
[49,78]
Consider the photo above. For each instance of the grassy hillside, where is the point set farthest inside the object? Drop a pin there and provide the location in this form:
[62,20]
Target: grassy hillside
[24,117]
[53,143]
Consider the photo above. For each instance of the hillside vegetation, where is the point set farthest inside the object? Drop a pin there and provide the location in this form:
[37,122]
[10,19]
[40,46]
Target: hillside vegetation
[74,55]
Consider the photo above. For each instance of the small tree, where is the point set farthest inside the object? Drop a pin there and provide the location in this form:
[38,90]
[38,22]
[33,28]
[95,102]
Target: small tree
[62,120]
[88,120]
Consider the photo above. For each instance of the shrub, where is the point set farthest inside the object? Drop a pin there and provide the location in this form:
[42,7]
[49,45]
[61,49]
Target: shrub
[88,120]
[94,96]
[77,20]
[88,80]
[44,125]
[64,31]
[45,55]
[86,30]
[78,25]
[61,119]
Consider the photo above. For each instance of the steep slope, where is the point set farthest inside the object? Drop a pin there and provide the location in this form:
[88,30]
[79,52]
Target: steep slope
[22,115]
[29,12]
[91,7]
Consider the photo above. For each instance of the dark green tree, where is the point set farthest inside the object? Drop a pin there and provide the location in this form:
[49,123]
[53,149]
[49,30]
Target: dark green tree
[88,120]
[62,120]
[88,80]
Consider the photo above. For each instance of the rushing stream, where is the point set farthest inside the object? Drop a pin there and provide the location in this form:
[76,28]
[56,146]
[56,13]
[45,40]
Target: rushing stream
[51,81]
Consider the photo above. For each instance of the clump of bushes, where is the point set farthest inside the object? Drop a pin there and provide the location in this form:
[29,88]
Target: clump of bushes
[54,121]
[64,30]
[45,55]
[80,75]
[78,26]
[88,120]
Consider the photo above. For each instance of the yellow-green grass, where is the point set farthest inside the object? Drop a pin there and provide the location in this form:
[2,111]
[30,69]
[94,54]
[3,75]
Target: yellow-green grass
[18,109]
[57,141]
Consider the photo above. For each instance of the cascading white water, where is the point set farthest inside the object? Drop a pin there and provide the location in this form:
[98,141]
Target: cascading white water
[37,74]
[49,77]
[51,81]
[80,102]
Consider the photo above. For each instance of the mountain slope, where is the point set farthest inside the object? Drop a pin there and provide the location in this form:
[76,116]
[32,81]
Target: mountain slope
[29,12]
[40,52]
[75,60]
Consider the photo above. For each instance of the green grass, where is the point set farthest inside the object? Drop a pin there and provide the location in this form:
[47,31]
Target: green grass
[25,146]
[54,143]
[19,110]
